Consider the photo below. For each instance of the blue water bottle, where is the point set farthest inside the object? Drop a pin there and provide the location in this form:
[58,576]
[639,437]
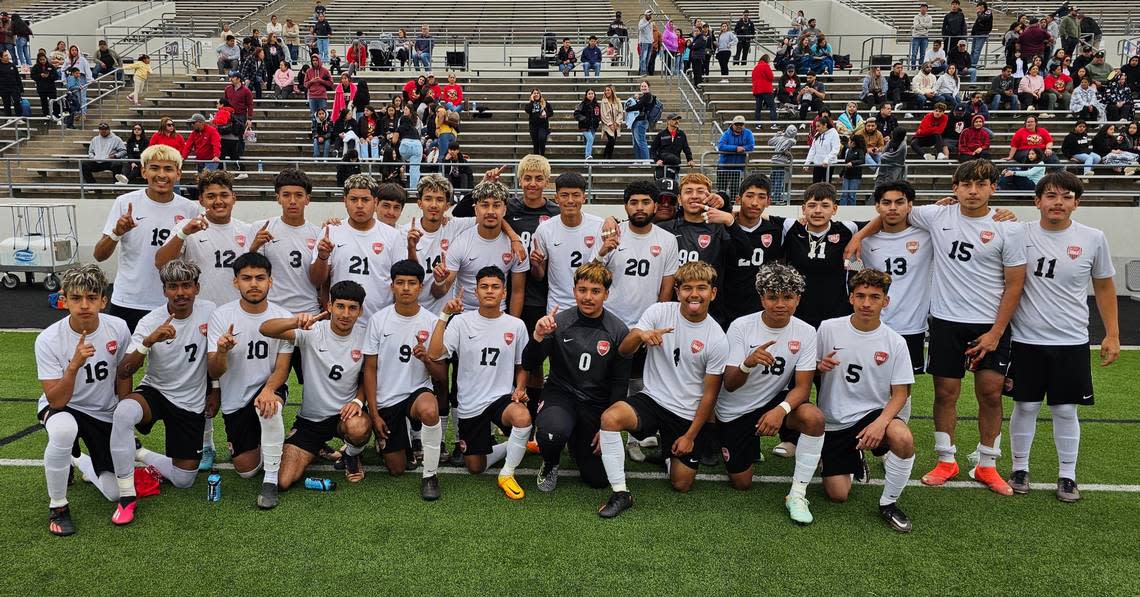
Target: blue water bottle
[214,488]
[260,166]
[320,484]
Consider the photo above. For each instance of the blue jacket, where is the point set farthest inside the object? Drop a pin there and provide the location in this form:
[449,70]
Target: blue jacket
[729,141]
[591,54]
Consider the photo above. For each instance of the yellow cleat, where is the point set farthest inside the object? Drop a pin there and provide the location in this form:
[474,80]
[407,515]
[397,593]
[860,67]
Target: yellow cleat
[511,487]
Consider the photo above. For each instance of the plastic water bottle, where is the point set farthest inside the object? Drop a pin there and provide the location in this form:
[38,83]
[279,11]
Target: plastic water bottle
[260,166]
[214,488]
[320,484]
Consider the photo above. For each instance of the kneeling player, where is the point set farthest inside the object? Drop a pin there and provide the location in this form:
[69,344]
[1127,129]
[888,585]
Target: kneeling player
[865,378]
[397,381]
[172,340]
[331,405]
[586,375]
[492,384]
[74,358]
[767,350]
[684,362]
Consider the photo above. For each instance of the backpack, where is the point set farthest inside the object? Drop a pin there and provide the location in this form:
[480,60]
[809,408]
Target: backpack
[25,108]
[653,115]
[451,119]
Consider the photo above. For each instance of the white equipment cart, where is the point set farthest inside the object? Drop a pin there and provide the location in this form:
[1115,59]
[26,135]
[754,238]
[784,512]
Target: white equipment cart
[44,240]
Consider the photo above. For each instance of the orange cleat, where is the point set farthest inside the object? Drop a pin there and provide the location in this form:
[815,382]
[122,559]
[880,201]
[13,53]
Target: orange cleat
[940,474]
[511,487]
[988,476]
[532,447]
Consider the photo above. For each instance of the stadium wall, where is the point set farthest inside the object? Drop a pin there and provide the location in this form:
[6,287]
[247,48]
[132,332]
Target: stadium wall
[79,26]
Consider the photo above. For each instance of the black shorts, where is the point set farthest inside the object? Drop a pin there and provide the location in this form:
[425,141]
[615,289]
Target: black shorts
[840,456]
[311,436]
[915,345]
[1059,374]
[566,419]
[653,418]
[739,443]
[96,436]
[243,426]
[530,316]
[475,437]
[395,417]
[131,316]
[949,341]
[183,428]
[295,364]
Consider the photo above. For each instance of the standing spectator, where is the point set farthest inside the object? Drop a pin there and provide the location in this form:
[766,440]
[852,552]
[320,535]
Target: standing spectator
[645,100]
[1031,90]
[1054,29]
[698,51]
[1077,146]
[655,48]
[317,82]
[811,95]
[929,134]
[140,72]
[782,158]
[11,85]
[981,29]
[953,25]
[361,98]
[136,143]
[644,41]
[1070,31]
[1085,104]
[1118,98]
[875,87]
[23,34]
[239,98]
[949,87]
[253,71]
[107,60]
[231,127]
[1029,137]
[1034,40]
[285,81]
[446,129]
[936,58]
[204,143]
[745,30]
[672,43]
[322,134]
[591,60]
[275,54]
[274,26]
[893,165]
[104,147]
[762,88]
[323,30]
[425,44]
[974,142]
[45,77]
[410,146]
[292,37]
[76,83]
[853,159]
[612,115]
[343,97]
[724,44]
[920,35]
[668,147]
[167,134]
[538,112]
[619,34]
[1003,90]
[229,56]
[566,57]
[1090,30]
[7,36]
[734,146]
[1058,88]
[588,114]
[824,150]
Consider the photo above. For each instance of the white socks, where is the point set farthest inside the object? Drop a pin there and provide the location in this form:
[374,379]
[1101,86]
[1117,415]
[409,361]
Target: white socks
[1022,427]
[272,441]
[61,430]
[179,477]
[516,449]
[442,433]
[352,450]
[613,458]
[988,455]
[897,474]
[943,447]
[128,413]
[431,438]
[1067,438]
[498,452]
[808,451]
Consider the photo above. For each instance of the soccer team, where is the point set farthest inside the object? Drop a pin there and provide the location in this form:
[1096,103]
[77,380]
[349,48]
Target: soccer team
[689,321]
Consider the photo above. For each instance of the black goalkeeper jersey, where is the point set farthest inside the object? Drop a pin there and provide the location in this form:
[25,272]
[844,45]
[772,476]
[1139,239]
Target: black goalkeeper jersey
[584,359]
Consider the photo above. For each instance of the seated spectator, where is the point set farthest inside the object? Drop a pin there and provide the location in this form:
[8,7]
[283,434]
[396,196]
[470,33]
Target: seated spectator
[811,95]
[104,147]
[974,142]
[803,55]
[977,106]
[591,58]
[1132,69]
[335,65]
[873,140]
[1029,137]
[949,87]
[357,57]
[167,134]
[322,134]
[371,134]
[887,120]
[1098,69]
[285,81]
[1058,88]
[452,97]
[566,58]
[959,57]
[455,169]
[929,134]
[253,71]
[923,85]
[821,58]
[1031,90]
[1118,97]
[137,142]
[1003,90]
[393,169]
[345,134]
[1078,147]
[1023,178]
[958,121]
[898,86]
[936,57]
[874,88]
[788,88]
[1111,144]
[1085,104]
[849,122]
[229,56]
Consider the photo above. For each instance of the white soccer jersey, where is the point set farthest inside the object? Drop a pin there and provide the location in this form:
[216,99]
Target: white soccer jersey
[970,257]
[869,364]
[137,285]
[214,251]
[906,256]
[94,390]
[794,350]
[366,257]
[470,253]
[488,351]
[332,366]
[290,252]
[432,249]
[177,367]
[675,371]
[1054,309]
[392,337]
[566,248]
[638,265]
[251,360]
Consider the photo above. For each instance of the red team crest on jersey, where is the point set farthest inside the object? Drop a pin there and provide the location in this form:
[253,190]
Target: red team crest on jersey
[704,240]
[794,346]
[766,240]
[603,347]
[178,218]
[507,258]
[655,250]
[589,242]
[422,336]
[509,337]
[1074,252]
[203,328]
[542,219]
[697,346]
[310,242]
[443,244]
[355,355]
[239,239]
[912,246]
[986,236]
[833,238]
[112,347]
[377,247]
[881,357]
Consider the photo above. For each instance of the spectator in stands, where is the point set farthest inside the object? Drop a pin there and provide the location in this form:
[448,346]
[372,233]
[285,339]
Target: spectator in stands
[107,60]
[370,132]
[140,72]
[1058,88]
[321,133]
[7,37]
[76,83]
[824,151]
[734,146]
[323,30]
[11,85]
[977,105]
[644,102]
[1132,137]
[349,165]
[811,32]
[45,77]
[1098,69]
[319,9]
[936,58]
[613,115]
[1034,40]
[886,119]
[59,54]
[357,56]
[821,58]
[787,91]
[811,95]
[588,115]
[698,51]
[239,97]
[455,170]
[1070,31]
[1029,137]
[412,91]
[948,87]
[402,47]
[104,147]
[668,146]
[1031,90]
[285,81]
[672,44]
[849,122]
[274,54]
[446,129]
[274,26]
[745,30]
[1084,58]
[974,142]
[317,82]
[924,84]
[1112,147]
[591,61]
[566,57]
[644,41]
[136,143]
[853,159]
[1078,147]
[1003,90]
[953,25]
[253,72]
[538,112]
[929,134]
[292,37]
[873,141]
[920,35]
[875,87]
[1118,97]
[421,57]
[1085,104]
[618,33]
[960,58]
[725,41]
[958,122]
[1023,178]
[452,97]
[231,126]
[1090,30]
[1058,58]
[893,165]
[899,86]
[782,159]
[167,134]
[979,31]
[343,97]
[229,56]
[410,146]
[225,33]
[762,90]
[802,55]
[655,48]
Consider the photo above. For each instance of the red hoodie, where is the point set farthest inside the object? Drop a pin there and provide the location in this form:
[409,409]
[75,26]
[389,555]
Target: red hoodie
[453,94]
[932,125]
[973,139]
[204,145]
[761,78]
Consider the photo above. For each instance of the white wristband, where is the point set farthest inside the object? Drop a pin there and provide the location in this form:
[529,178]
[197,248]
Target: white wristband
[215,384]
[357,402]
[142,349]
[181,234]
[745,368]
[445,316]
[114,237]
[787,407]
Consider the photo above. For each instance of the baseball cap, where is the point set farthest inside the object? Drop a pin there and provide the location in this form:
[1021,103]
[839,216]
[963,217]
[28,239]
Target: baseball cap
[196,118]
[234,73]
[648,11]
[1100,53]
[667,187]
[673,116]
[104,125]
[738,119]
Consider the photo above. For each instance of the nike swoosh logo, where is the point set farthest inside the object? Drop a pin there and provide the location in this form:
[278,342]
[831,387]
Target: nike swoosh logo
[753,345]
[274,241]
[567,339]
[947,229]
[875,249]
[340,245]
[388,334]
[472,337]
[515,219]
[557,244]
[836,348]
[472,258]
[322,350]
[1089,397]
[620,249]
[203,240]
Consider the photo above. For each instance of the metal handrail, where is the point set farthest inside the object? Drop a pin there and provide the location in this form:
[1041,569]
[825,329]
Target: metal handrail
[23,130]
[122,14]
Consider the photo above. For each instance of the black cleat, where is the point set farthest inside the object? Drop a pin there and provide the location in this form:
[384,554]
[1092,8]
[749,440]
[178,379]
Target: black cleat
[429,488]
[1067,490]
[895,518]
[456,458]
[619,502]
[1019,482]
[267,499]
[59,521]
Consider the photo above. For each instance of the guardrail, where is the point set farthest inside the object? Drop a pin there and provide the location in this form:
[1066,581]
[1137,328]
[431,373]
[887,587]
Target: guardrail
[122,14]
[22,130]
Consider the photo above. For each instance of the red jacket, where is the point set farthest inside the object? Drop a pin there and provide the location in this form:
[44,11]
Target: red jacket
[204,145]
[240,99]
[931,125]
[1025,139]
[453,94]
[761,78]
[972,139]
[359,57]
[176,141]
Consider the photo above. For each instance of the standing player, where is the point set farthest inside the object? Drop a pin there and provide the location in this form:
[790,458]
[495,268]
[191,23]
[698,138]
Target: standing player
[489,346]
[865,379]
[252,369]
[172,341]
[686,352]
[433,232]
[397,381]
[1050,328]
[562,244]
[331,404]
[390,200]
[587,375]
[75,361]
[765,245]
[767,351]
[141,221]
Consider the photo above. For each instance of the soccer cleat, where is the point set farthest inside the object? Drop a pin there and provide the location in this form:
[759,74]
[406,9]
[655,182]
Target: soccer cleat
[798,509]
[328,453]
[634,450]
[59,521]
[895,518]
[619,502]
[784,450]
[353,469]
[511,487]
[940,474]
[532,447]
[988,476]
[207,462]
[413,463]
[267,499]
[547,479]
[1067,490]
[444,458]
[456,456]
[125,511]
[429,488]
[1019,482]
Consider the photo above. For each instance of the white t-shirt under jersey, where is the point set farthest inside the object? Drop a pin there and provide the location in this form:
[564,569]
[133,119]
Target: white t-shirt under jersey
[638,265]
[366,257]
[566,248]
[675,371]
[470,253]
[136,281]
[869,364]
[432,249]
[794,350]
[251,360]
[94,390]
[1054,308]
[392,337]
[906,256]
[970,257]
[290,252]
[332,366]
[177,367]
[214,251]
[488,351]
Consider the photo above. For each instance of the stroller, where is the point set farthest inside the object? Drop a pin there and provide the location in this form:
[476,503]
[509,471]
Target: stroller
[380,54]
